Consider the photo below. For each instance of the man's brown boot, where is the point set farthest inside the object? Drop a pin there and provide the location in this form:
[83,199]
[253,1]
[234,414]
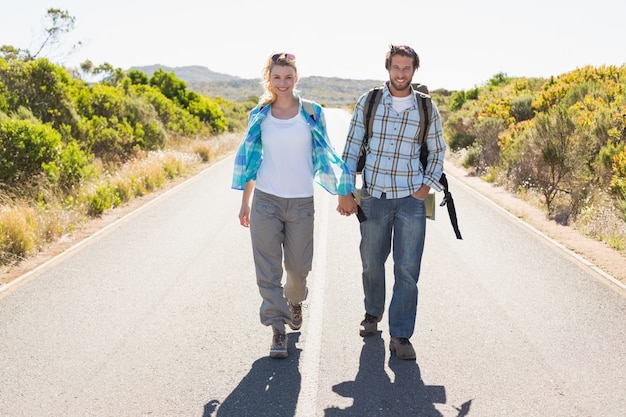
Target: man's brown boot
[403,348]
[369,325]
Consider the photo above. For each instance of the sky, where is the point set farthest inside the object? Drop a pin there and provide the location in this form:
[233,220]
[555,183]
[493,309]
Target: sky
[461,43]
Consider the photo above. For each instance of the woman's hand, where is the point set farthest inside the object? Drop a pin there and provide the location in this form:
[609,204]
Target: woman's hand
[347,205]
[244,215]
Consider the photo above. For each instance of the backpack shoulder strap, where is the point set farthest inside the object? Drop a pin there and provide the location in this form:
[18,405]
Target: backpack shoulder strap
[420,87]
[425,107]
[308,107]
[371,102]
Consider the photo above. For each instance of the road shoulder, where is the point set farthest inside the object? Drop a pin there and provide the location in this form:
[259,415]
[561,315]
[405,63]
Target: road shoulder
[600,254]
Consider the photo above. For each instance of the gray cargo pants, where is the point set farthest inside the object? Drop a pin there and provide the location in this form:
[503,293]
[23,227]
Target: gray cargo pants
[281,225]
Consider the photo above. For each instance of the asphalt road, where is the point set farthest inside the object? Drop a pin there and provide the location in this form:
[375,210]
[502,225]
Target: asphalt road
[157,315]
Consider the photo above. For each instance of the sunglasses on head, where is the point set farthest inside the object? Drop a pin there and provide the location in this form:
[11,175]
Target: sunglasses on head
[406,49]
[283,56]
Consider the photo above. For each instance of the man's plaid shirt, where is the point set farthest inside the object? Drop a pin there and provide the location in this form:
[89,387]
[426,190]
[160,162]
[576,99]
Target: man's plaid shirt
[393,162]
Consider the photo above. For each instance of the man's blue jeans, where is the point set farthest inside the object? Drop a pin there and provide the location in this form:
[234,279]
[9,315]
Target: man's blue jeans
[399,224]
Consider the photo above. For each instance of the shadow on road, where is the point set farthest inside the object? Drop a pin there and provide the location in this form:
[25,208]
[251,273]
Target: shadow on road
[271,388]
[375,395]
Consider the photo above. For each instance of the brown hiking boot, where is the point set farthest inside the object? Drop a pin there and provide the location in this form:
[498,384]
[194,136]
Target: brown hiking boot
[296,316]
[369,325]
[403,348]
[279,345]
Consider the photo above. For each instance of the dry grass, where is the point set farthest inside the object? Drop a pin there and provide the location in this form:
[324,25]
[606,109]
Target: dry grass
[211,150]
[18,231]
[602,221]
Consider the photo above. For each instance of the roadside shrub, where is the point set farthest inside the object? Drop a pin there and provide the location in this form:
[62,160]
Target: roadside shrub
[153,177]
[102,199]
[42,87]
[208,111]
[69,168]
[578,92]
[30,150]
[203,149]
[472,158]
[117,125]
[123,188]
[110,139]
[172,166]
[472,94]
[174,118]
[457,100]
[618,182]
[459,132]
[461,140]
[552,165]
[236,113]
[522,108]
[26,146]
[487,136]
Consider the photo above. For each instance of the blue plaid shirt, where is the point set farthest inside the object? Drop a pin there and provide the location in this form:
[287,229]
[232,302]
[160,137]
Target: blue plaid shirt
[392,165]
[328,169]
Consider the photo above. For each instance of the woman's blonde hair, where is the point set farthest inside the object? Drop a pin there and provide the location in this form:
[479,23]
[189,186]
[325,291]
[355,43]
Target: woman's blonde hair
[282,59]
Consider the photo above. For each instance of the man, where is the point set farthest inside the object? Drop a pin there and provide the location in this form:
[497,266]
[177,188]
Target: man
[392,198]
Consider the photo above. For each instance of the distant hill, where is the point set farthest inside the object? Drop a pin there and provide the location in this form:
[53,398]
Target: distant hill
[329,91]
[189,74]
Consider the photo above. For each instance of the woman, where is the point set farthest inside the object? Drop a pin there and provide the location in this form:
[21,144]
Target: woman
[285,150]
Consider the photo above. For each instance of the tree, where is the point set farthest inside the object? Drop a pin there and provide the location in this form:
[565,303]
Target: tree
[173,88]
[138,77]
[554,141]
[10,53]
[110,74]
[60,22]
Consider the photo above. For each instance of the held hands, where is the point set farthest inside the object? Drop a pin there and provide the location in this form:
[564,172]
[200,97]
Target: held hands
[347,205]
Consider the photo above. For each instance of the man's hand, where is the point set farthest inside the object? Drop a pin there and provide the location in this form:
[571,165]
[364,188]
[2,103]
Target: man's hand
[422,193]
[347,205]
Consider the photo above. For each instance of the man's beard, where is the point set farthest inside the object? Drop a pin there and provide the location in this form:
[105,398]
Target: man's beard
[400,88]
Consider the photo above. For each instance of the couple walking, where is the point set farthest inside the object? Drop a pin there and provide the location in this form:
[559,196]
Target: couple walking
[286,150]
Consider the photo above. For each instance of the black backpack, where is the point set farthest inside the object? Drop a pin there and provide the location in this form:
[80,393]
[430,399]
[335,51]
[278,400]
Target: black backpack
[425,107]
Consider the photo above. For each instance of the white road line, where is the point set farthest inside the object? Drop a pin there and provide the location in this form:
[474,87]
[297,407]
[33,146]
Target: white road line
[312,346]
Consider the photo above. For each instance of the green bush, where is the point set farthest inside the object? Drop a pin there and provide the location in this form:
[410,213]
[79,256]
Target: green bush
[487,133]
[25,147]
[208,111]
[472,94]
[31,150]
[102,199]
[461,140]
[42,87]
[472,157]
[521,107]
[174,118]
[457,100]
[459,131]
[171,87]
[69,168]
